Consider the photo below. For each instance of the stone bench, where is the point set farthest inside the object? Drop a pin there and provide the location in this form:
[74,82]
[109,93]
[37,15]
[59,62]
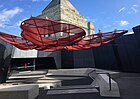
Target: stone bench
[19,91]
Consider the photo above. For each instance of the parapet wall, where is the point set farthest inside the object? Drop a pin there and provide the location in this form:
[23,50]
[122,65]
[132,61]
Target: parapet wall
[5,59]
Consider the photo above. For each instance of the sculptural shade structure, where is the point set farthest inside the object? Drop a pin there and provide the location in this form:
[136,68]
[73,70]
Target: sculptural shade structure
[48,35]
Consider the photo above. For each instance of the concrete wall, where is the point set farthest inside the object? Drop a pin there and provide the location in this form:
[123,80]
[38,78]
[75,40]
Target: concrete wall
[122,54]
[17,53]
[137,34]
[56,55]
[105,57]
[83,59]
[129,53]
[67,59]
[77,59]
[5,59]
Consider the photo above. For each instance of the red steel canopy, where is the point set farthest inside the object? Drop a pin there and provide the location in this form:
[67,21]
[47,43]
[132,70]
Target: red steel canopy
[48,35]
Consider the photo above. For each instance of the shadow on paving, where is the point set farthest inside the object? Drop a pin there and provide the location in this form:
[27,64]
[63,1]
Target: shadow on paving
[129,84]
[81,81]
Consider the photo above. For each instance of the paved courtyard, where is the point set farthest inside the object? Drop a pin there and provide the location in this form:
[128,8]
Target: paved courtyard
[75,84]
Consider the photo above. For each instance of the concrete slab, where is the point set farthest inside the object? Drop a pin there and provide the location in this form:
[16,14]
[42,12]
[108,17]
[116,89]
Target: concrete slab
[41,72]
[26,77]
[113,74]
[102,80]
[19,91]
[82,72]
[71,91]
[67,77]
[72,72]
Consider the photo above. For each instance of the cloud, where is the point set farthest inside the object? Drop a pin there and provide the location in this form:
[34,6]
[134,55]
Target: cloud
[6,15]
[134,8]
[135,5]
[124,23]
[122,9]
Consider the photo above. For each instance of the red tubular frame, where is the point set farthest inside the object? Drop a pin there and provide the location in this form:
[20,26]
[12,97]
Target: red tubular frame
[48,35]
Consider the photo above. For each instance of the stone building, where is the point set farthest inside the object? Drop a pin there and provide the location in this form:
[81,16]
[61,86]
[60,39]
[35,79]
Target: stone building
[64,11]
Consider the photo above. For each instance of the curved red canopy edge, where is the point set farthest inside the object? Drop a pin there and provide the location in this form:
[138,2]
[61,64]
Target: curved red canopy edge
[48,35]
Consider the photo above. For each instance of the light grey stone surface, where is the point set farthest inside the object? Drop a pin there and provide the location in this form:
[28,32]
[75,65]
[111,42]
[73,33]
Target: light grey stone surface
[17,53]
[102,80]
[19,91]
[72,72]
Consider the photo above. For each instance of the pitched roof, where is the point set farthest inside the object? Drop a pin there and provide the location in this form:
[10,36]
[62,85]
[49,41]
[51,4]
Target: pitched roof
[52,4]
[65,3]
